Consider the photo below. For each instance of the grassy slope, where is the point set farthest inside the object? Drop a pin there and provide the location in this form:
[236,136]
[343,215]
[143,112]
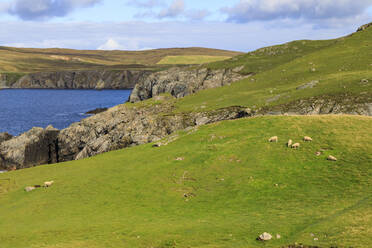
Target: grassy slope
[35,60]
[125,199]
[190,59]
[339,65]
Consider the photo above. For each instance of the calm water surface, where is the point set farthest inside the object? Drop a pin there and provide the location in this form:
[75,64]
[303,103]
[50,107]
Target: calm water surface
[22,109]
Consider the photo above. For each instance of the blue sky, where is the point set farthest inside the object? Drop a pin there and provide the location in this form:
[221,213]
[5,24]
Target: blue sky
[242,25]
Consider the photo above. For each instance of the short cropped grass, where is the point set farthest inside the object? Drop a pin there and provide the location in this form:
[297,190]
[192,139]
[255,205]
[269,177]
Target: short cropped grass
[238,186]
[190,59]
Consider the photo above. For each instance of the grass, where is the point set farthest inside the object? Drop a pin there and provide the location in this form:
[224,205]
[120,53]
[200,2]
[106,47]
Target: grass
[26,60]
[190,60]
[135,197]
[339,65]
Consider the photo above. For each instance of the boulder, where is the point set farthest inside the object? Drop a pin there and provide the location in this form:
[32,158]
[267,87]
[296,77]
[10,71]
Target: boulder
[35,147]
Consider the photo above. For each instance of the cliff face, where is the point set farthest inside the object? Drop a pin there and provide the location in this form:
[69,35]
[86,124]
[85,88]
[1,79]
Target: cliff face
[81,80]
[181,82]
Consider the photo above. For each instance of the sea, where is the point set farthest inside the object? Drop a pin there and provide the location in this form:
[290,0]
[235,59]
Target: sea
[22,109]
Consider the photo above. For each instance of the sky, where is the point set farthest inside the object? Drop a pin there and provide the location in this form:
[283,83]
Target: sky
[240,25]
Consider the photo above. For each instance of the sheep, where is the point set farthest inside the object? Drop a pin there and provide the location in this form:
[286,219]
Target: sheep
[274,139]
[289,143]
[307,138]
[48,184]
[296,146]
[331,158]
[29,188]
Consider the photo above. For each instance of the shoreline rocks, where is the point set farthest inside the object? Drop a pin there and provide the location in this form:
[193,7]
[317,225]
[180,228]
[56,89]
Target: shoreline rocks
[124,79]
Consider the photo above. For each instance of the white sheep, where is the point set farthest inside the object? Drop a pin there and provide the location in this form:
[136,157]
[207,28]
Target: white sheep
[274,139]
[332,158]
[29,188]
[307,138]
[289,143]
[48,184]
[296,146]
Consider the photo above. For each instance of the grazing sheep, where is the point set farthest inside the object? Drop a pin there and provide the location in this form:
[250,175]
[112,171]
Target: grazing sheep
[307,138]
[274,139]
[48,184]
[332,158]
[296,146]
[289,143]
[29,188]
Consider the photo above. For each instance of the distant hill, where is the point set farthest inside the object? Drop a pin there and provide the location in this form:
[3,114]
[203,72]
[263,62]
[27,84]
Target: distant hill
[26,60]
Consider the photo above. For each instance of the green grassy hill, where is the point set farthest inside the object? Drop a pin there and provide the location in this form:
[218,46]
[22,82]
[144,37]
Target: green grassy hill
[238,186]
[26,60]
[340,66]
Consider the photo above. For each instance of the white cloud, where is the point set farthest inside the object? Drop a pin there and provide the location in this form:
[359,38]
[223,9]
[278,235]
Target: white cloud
[263,10]
[43,9]
[140,35]
[176,9]
[111,44]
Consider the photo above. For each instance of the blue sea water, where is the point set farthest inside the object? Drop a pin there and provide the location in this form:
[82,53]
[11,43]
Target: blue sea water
[22,109]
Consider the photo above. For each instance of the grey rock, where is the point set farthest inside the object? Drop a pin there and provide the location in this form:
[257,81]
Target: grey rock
[81,80]
[364,27]
[308,85]
[35,147]
[180,82]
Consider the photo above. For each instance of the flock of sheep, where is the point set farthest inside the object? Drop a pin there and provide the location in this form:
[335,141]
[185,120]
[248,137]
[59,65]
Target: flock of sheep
[290,144]
[46,185]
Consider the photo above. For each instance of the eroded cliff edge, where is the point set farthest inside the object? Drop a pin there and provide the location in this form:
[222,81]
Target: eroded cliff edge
[123,79]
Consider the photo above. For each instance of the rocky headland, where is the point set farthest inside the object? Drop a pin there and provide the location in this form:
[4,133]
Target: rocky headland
[134,124]
[126,79]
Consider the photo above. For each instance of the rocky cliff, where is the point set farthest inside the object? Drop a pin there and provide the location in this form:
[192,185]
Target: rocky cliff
[119,127]
[80,80]
[129,125]
[180,82]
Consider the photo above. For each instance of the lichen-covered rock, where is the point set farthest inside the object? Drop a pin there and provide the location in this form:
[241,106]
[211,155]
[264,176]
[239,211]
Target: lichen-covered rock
[180,82]
[35,147]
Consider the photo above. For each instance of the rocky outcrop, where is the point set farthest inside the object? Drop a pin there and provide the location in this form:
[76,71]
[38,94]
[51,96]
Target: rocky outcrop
[5,137]
[321,105]
[180,82]
[126,125]
[35,147]
[81,80]
[364,27]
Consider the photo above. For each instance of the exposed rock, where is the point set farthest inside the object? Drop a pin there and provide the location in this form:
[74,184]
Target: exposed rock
[125,125]
[265,237]
[308,85]
[180,82]
[81,80]
[5,137]
[96,111]
[35,147]
[364,27]
[327,104]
